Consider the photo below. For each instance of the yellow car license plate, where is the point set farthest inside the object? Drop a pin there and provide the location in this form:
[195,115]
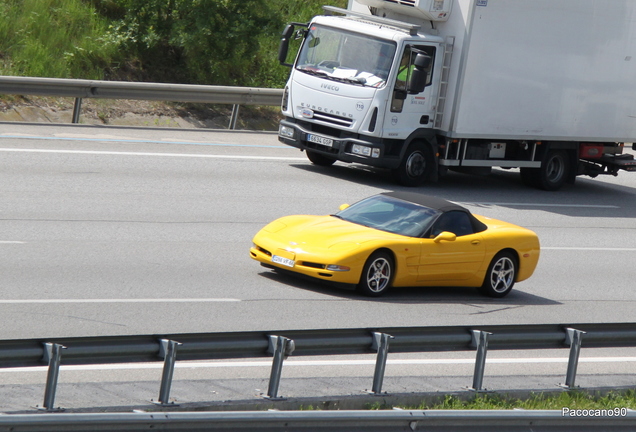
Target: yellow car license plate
[282,260]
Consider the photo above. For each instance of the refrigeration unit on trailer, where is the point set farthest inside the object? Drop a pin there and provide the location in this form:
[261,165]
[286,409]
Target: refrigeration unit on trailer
[421,87]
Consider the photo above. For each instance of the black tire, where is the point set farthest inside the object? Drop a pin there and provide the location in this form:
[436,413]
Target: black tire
[552,175]
[501,275]
[417,165]
[554,171]
[318,159]
[377,275]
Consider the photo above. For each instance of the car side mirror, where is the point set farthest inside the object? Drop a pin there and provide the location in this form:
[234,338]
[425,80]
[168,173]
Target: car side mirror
[343,206]
[445,236]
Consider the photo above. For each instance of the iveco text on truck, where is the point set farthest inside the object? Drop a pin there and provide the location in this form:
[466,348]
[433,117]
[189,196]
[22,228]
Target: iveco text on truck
[421,87]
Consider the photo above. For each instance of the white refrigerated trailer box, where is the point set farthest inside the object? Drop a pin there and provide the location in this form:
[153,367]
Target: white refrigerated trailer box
[550,69]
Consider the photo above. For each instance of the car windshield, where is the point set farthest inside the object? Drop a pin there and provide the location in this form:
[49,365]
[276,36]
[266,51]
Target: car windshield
[344,56]
[392,215]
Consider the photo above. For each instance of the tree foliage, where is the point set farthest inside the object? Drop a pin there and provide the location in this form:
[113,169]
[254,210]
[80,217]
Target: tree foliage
[202,41]
[220,42]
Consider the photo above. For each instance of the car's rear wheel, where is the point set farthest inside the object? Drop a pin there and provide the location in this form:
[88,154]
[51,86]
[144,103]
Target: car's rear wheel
[377,274]
[501,275]
[318,159]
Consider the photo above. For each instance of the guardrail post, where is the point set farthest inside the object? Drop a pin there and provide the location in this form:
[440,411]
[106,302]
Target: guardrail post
[52,355]
[235,111]
[282,348]
[574,338]
[381,344]
[168,351]
[480,341]
[77,107]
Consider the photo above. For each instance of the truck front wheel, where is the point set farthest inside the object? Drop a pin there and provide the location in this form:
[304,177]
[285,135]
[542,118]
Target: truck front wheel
[416,166]
[318,159]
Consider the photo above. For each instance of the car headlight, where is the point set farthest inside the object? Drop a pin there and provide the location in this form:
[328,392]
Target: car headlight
[336,267]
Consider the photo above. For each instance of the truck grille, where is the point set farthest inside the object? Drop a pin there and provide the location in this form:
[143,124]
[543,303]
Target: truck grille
[333,119]
[410,3]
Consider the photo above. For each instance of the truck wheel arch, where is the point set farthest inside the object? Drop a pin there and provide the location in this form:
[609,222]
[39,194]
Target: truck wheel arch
[426,148]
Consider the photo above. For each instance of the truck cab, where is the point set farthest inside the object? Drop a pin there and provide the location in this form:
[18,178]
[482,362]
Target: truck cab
[360,92]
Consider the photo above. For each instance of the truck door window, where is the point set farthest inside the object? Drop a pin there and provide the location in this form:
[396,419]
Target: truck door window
[405,68]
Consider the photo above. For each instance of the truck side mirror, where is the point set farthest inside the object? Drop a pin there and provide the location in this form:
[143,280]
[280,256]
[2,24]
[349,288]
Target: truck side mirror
[283,48]
[417,81]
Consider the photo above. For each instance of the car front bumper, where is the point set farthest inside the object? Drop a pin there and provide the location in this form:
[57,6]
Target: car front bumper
[307,265]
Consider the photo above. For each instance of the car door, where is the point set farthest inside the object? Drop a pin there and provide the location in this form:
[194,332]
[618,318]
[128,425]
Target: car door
[451,260]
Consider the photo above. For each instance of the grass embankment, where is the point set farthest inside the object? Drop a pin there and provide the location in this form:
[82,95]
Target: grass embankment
[215,42]
[541,401]
[53,38]
[151,41]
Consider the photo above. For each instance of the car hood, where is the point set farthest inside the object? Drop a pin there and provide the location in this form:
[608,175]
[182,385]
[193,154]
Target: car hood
[323,232]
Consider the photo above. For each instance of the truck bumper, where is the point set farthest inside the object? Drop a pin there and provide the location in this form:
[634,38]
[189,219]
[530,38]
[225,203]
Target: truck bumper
[351,149]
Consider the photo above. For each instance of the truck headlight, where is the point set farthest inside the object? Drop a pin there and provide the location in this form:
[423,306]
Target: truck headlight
[365,151]
[286,131]
[361,150]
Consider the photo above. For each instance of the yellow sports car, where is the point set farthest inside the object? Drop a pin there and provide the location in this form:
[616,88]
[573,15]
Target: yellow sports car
[401,239]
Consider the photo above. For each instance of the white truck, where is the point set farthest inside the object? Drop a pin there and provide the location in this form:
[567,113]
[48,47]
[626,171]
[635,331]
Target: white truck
[421,87]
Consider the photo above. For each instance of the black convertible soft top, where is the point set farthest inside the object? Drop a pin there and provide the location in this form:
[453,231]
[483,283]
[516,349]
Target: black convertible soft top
[426,201]
[436,203]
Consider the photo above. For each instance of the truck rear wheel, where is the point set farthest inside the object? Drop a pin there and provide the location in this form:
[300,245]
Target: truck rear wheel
[552,175]
[554,171]
[416,166]
[318,159]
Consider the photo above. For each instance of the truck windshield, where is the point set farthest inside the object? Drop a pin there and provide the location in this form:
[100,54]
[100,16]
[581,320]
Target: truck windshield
[344,56]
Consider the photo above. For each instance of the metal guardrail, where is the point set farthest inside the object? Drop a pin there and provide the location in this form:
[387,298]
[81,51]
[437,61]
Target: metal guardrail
[281,344]
[80,89]
[328,421]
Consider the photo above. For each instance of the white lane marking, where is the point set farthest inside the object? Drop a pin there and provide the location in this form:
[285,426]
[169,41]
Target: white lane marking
[112,138]
[11,242]
[187,155]
[304,363]
[140,300]
[588,249]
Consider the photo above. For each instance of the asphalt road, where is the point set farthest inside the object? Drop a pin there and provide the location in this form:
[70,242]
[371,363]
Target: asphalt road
[112,231]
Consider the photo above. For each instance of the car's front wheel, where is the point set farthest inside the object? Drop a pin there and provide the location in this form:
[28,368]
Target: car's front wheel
[377,274]
[501,275]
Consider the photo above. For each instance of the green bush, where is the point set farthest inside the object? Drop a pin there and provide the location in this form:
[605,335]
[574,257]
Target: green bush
[221,42]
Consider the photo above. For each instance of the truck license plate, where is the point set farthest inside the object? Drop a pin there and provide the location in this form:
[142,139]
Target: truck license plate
[327,142]
[284,261]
